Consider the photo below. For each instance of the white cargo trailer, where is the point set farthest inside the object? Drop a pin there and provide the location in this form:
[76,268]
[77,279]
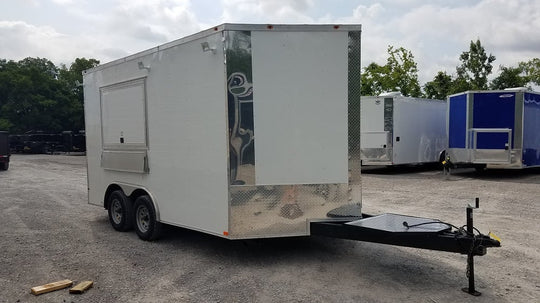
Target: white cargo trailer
[240,131]
[402,130]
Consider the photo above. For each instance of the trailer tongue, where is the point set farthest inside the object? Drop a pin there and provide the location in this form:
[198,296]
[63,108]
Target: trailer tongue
[408,231]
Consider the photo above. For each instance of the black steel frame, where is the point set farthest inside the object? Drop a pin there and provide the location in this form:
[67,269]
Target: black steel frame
[456,241]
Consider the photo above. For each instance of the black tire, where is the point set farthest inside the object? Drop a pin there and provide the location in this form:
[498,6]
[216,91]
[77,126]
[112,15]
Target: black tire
[144,217]
[4,166]
[46,149]
[120,209]
[480,168]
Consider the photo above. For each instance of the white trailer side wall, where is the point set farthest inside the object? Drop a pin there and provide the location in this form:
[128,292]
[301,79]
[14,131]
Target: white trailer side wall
[421,128]
[187,133]
[300,107]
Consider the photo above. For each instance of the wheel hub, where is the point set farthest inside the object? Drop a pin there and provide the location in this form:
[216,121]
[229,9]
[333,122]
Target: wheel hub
[116,211]
[143,219]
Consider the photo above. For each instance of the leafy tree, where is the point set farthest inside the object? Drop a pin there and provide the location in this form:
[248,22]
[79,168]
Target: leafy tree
[400,73]
[72,81]
[73,75]
[440,87]
[37,95]
[403,71]
[509,77]
[5,124]
[475,67]
[30,93]
[471,74]
[373,79]
[531,69]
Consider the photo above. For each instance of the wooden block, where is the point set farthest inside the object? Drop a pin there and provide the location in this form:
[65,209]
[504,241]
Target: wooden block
[38,290]
[81,287]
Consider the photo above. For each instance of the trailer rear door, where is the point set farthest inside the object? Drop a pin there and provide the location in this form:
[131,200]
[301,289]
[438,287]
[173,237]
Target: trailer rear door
[531,127]
[493,127]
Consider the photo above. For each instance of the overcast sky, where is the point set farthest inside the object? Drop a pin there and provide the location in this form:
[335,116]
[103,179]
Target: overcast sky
[436,31]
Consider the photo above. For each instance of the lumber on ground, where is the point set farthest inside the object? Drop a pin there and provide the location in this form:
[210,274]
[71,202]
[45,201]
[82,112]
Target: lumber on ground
[81,287]
[38,290]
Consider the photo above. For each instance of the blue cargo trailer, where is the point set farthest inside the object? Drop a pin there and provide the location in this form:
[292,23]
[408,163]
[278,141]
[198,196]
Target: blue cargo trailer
[494,129]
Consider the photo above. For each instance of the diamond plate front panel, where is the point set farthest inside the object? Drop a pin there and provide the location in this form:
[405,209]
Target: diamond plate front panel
[354,93]
[377,155]
[281,210]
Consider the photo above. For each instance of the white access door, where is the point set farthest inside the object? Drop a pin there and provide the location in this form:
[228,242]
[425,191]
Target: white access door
[375,138]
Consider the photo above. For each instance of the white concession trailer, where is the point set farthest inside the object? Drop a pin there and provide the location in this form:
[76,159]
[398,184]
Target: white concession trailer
[240,131]
[400,130]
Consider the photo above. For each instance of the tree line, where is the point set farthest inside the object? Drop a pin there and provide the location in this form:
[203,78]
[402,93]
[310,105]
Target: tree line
[400,73]
[37,95]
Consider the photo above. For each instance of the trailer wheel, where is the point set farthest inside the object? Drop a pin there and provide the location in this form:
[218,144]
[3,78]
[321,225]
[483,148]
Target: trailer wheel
[120,211]
[480,168]
[146,225]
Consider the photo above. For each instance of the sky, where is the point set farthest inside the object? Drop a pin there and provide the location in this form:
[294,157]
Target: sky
[436,31]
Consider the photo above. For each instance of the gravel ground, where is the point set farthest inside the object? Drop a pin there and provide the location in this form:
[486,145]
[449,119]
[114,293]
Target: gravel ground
[50,233]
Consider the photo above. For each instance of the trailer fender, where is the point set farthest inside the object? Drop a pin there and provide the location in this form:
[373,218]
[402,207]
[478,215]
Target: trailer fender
[132,191]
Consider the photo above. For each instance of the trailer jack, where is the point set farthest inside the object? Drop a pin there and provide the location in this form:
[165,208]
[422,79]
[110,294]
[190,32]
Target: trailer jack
[470,255]
[408,231]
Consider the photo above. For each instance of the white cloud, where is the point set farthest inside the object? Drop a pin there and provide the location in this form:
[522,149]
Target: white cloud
[62,2]
[267,11]
[126,27]
[507,29]
[31,3]
[155,21]
[368,12]
[19,40]
[375,35]
[436,31]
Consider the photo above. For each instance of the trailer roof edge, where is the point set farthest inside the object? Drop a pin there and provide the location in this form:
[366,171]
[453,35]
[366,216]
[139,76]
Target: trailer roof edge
[516,90]
[231,26]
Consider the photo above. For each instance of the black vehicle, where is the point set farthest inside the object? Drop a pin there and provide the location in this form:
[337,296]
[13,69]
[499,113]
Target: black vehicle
[41,143]
[74,141]
[16,143]
[4,150]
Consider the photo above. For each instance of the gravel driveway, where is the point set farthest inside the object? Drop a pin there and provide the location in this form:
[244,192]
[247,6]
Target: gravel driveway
[50,233]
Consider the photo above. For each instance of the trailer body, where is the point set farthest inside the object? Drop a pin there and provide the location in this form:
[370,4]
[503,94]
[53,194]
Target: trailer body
[495,129]
[400,130]
[231,131]
[4,150]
